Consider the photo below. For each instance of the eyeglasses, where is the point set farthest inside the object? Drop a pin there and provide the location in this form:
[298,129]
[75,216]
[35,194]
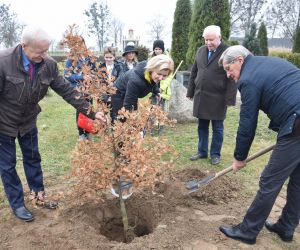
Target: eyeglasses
[227,67]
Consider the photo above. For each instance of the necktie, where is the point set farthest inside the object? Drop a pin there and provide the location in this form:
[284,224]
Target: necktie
[210,52]
[30,71]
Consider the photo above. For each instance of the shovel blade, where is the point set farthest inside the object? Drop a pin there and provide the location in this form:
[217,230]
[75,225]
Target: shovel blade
[196,184]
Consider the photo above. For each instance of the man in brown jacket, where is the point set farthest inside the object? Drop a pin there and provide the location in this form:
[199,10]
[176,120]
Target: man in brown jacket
[26,73]
[211,92]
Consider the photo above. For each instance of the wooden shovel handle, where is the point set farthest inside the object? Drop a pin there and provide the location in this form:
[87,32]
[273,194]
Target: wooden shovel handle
[250,158]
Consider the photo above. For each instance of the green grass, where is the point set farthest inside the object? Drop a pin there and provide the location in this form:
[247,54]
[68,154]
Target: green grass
[58,135]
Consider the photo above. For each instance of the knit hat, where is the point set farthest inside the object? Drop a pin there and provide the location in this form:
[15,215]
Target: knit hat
[130,48]
[159,44]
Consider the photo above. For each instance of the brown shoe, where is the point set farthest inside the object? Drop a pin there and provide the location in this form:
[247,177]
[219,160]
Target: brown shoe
[39,199]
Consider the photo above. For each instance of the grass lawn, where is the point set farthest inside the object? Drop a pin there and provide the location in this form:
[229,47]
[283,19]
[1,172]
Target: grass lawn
[58,135]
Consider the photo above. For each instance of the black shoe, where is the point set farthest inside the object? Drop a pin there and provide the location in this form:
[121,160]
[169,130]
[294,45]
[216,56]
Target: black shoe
[215,160]
[272,227]
[197,157]
[23,214]
[237,234]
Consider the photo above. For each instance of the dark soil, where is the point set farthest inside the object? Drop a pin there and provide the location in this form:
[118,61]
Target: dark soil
[164,218]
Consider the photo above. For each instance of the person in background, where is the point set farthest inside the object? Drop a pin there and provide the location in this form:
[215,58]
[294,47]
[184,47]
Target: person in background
[211,92]
[129,57]
[158,48]
[26,73]
[272,85]
[110,70]
[75,75]
[165,89]
[139,82]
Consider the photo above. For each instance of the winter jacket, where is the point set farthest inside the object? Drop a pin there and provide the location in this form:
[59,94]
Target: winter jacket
[272,85]
[126,67]
[165,88]
[19,96]
[73,73]
[135,84]
[116,72]
[209,86]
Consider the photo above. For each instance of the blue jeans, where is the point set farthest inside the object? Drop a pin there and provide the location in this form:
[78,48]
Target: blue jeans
[31,163]
[217,137]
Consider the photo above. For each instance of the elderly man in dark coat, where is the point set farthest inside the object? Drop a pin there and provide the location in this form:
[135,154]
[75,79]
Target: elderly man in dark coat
[212,92]
[26,74]
[271,85]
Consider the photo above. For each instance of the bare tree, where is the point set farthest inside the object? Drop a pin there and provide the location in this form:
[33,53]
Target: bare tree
[10,28]
[284,16]
[117,29]
[243,13]
[99,21]
[157,27]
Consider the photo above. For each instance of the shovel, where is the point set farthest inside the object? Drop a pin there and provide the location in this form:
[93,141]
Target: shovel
[194,185]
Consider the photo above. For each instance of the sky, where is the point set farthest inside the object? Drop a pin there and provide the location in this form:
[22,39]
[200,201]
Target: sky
[56,15]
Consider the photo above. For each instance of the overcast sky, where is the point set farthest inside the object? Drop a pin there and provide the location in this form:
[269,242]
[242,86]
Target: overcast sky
[56,15]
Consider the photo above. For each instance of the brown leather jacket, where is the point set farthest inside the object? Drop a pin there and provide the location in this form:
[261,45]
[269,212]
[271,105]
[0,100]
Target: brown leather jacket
[19,97]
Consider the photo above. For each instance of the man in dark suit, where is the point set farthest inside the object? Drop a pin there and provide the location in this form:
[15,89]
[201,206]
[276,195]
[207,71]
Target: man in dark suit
[271,85]
[212,92]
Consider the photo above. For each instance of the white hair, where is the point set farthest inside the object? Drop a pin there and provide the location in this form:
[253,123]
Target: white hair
[231,53]
[31,33]
[212,29]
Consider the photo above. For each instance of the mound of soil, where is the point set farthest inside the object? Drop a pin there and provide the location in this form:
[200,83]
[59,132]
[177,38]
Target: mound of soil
[167,217]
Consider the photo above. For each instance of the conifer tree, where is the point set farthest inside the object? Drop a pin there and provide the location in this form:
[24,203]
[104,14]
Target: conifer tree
[263,40]
[204,13]
[180,31]
[251,42]
[296,45]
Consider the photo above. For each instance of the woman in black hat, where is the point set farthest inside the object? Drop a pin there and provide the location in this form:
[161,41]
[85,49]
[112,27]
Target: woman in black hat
[130,57]
[158,48]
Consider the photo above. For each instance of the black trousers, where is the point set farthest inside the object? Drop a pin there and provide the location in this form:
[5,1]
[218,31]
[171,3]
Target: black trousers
[284,163]
[117,101]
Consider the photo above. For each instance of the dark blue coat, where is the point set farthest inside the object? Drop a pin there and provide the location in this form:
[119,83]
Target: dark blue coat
[272,85]
[133,85]
[74,73]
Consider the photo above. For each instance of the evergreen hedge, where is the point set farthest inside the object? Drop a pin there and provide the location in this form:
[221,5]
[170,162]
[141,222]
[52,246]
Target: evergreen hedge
[180,31]
[205,13]
[296,46]
[291,57]
[263,39]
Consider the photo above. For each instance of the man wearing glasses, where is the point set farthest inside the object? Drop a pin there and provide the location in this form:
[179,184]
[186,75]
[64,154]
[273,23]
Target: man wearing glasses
[272,85]
[26,74]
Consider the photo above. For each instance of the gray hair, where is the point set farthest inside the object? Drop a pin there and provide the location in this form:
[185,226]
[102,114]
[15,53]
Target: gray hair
[212,29]
[31,34]
[160,62]
[231,53]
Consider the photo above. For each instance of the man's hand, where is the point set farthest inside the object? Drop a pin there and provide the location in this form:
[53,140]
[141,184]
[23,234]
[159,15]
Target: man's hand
[237,165]
[101,117]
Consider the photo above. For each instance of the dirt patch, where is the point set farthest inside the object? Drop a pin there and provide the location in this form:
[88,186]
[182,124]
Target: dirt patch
[164,218]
